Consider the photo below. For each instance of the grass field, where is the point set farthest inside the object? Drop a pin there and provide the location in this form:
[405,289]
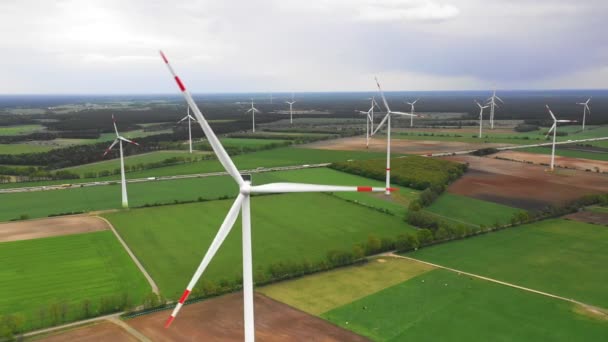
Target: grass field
[130,161]
[37,273]
[568,153]
[598,209]
[268,158]
[44,203]
[462,209]
[23,148]
[170,241]
[322,292]
[443,306]
[557,256]
[244,142]
[19,129]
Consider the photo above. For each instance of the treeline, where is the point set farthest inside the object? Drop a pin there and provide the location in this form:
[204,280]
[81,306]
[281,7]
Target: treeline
[415,172]
[46,136]
[29,174]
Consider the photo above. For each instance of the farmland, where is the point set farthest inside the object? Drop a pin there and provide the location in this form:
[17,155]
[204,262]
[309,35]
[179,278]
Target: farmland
[23,148]
[443,306]
[175,237]
[568,152]
[555,256]
[19,129]
[470,210]
[38,273]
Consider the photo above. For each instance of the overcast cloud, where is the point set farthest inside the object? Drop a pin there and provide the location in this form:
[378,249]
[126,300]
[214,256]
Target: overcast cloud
[111,46]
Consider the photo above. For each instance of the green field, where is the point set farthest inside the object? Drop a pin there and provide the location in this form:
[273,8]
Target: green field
[44,203]
[568,153]
[40,272]
[20,129]
[322,292]
[598,209]
[23,148]
[245,142]
[470,211]
[170,241]
[130,161]
[561,257]
[443,306]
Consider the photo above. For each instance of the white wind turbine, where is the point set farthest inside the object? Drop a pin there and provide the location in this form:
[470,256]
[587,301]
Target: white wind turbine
[291,109]
[554,130]
[412,104]
[586,110]
[369,119]
[481,108]
[242,203]
[190,119]
[493,104]
[123,182]
[253,110]
[387,119]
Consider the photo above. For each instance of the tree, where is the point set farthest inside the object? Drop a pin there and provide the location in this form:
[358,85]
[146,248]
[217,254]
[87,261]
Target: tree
[424,236]
[86,308]
[373,245]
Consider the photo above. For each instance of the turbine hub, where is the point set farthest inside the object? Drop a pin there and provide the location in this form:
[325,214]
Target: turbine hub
[245,188]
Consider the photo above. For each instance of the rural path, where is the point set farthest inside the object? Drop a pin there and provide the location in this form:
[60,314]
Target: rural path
[133,257]
[594,309]
[141,337]
[73,324]
[157,179]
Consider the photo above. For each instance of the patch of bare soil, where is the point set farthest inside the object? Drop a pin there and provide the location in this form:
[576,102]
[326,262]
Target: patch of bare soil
[55,226]
[104,331]
[589,217]
[565,162]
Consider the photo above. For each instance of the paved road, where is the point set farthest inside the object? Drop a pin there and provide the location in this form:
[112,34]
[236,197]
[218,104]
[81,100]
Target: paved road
[156,179]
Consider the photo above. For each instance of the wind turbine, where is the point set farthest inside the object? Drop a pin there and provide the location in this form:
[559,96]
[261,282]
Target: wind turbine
[412,104]
[242,202]
[387,119]
[123,182]
[481,108]
[253,110]
[291,109]
[190,119]
[585,110]
[492,102]
[554,130]
[369,118]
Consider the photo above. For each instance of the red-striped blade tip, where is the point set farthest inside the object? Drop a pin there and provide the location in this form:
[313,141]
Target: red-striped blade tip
[106,152]
[364,188]
[162,54]
[392,189]
[180,84]
[169,321]
[184,296]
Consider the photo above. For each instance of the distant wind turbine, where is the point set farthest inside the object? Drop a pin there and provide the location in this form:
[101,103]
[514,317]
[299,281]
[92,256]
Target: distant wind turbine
[291,109]
[253,110]
[123,181]
[493,104]
[387,119]
[481,108]
[190,119]
[586,110]
[369,118]
[412,104]
[554,130]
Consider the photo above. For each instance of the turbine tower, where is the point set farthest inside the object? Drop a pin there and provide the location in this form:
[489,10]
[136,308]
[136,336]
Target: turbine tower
[253,110]
[369,118]
[493,104]
[586,110]
[412,104]
[291,109]
[190,119]
[387,119]
[481,108]
[242,203]
[123,182]
[554,130]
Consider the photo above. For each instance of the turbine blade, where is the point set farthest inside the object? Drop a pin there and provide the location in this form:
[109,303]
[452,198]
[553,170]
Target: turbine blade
[381,123]
[225,228]
[550,130]
[566,121]
[127,140]
[388,109]
[550,112]
[406,114]
[191,118]
[217,147]
[110,148]
[499,99]
[114,122]
[183,118]
[302,187]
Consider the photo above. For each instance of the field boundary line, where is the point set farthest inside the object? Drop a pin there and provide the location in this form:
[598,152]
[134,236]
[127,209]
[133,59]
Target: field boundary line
[595,308]
[71,325]
[132,331]
[133,257]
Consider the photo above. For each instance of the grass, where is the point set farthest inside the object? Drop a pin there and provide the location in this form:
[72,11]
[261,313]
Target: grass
[598,209]
[23,148]
[568,153]
[170,241]
[557,256]
[322,292]
[443,306]
[72,268]
[19,129]
[243,142]
[462,209]
[44,203]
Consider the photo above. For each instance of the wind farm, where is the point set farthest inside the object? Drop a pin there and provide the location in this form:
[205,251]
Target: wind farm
[279,187]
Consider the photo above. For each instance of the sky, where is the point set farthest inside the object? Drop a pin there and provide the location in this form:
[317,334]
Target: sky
[111,46]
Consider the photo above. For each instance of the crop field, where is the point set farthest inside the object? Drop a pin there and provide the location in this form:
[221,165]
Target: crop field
[467,210]
[130,161]
[44,203]
[568,152]
[170,241]
[20,129]
[242,142]
[23,148]
[69,269]
[557,256]
[443,306]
